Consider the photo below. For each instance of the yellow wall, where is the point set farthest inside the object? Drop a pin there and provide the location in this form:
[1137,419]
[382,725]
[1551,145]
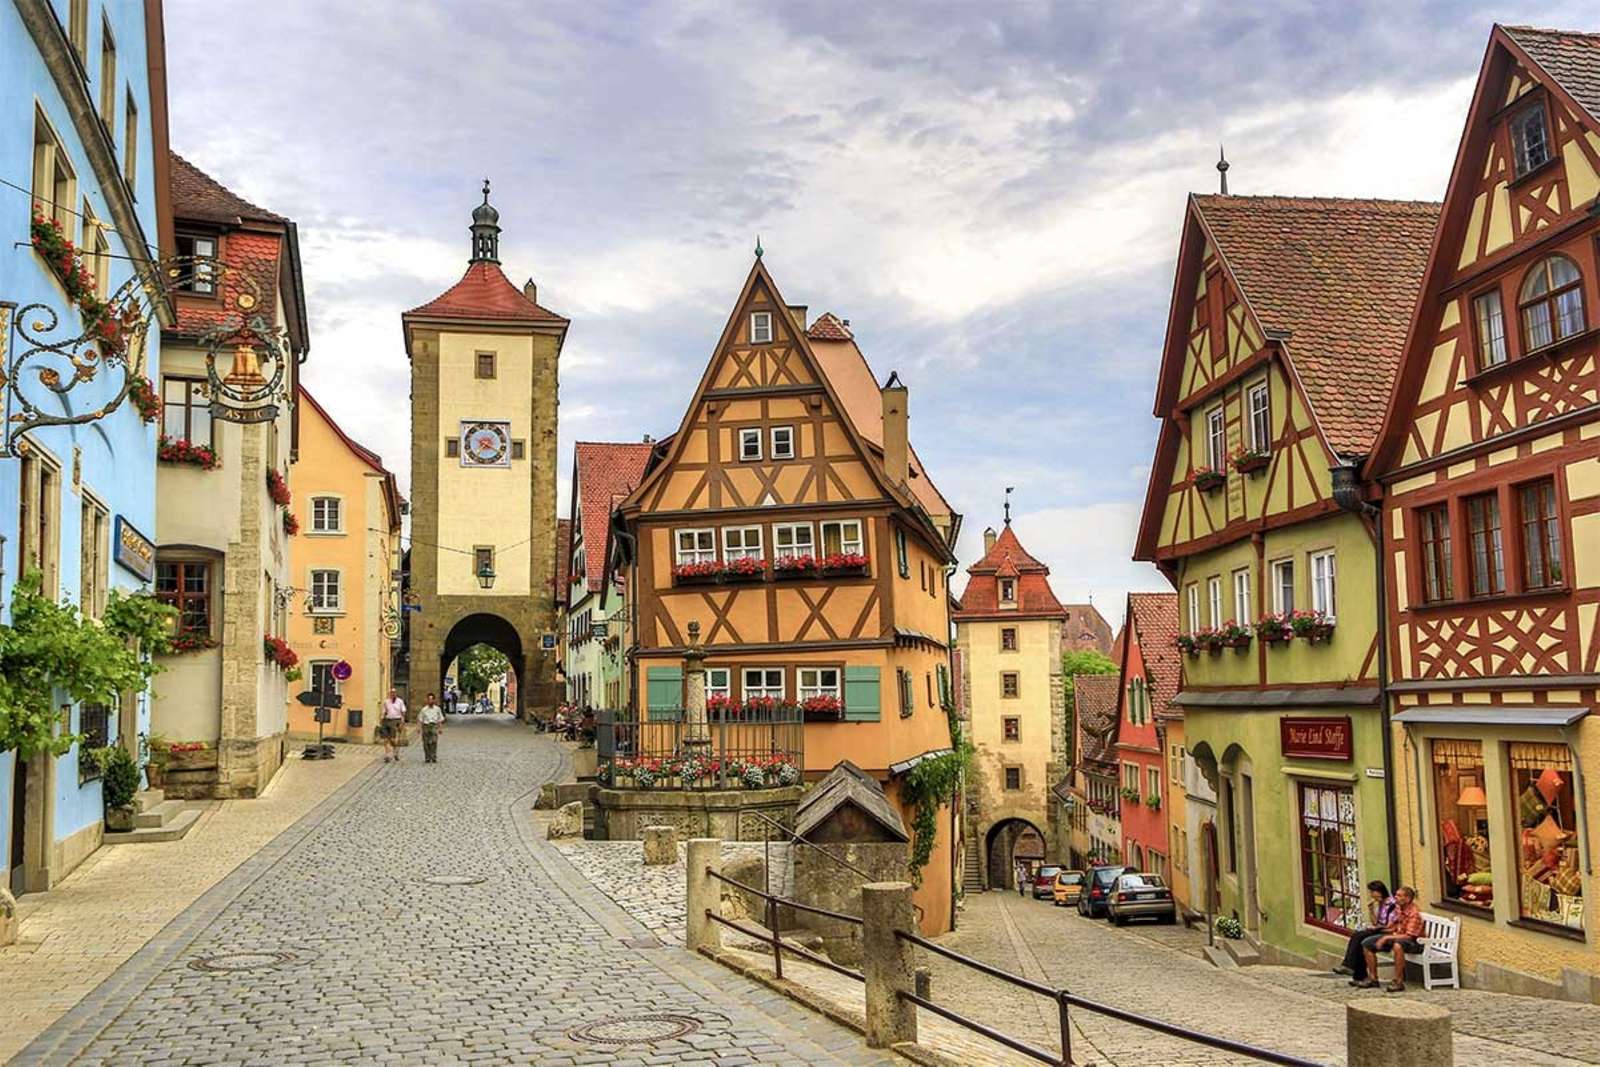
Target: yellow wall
[1175,802]
[1037,662]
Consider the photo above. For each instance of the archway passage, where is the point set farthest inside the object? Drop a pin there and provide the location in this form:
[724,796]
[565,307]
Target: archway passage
[494,632]
[1009,842]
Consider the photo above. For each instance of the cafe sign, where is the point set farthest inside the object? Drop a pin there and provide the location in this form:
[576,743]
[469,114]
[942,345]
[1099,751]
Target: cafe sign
[135,551]
[1317,738]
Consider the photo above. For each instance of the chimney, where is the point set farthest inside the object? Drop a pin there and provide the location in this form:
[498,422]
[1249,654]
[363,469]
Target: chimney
[530,290]
[896,448]
[797,312]
[988,540]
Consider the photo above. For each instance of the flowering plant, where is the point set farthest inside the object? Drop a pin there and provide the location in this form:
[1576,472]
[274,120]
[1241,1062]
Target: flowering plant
[745,566]
[1208,638]
[752,776]
[279,653]
[100,317]
[793,564]
[187,746]
[823,706]
[293,674]
[839,561]
[143,395]
[177,450]
[291,523]
[1314,626]
[1274,628]
[756,705]
[1130,794]
[722,706]
[1189,644]
[1207,478]
[278,489]
[1229,927]
[191,641]
[708,569]
[1247,460]
[1232,634]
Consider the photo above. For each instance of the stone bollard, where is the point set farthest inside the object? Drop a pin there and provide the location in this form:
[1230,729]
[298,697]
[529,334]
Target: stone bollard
[547,797]
[568,821]
[704,893]
[8,917]
[1394,1032]
[660,846]
[889,963]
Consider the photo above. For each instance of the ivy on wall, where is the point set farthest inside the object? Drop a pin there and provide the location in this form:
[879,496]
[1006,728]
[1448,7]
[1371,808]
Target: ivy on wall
[930,785]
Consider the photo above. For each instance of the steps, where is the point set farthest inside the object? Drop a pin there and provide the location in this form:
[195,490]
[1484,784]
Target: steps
[155,819]
[972,868]
[1243,951]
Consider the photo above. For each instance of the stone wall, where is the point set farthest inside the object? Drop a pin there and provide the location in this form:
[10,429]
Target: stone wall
[824,883]
[622,814]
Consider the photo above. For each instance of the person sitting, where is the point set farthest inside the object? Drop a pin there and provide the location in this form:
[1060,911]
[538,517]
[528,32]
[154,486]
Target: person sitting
[1402,935]
[1380,912]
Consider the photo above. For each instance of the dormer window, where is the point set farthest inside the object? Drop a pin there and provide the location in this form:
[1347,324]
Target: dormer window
[1530,141]
[760,327]
[1008,590]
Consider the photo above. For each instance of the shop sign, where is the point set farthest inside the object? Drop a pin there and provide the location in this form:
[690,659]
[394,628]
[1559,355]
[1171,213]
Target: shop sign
[1320,738]
[135,551]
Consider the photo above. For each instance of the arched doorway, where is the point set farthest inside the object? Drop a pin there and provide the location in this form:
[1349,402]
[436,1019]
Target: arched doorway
[496,633]
[1009,842]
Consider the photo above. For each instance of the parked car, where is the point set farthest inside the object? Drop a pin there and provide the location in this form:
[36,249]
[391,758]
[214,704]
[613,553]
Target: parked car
[1092,902]
[1141,896]
[1069,886]
[1044,882]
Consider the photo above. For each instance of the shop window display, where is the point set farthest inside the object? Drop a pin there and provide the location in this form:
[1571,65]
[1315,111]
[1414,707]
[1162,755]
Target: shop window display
[1550,887]
[1463,811]
[1330,874]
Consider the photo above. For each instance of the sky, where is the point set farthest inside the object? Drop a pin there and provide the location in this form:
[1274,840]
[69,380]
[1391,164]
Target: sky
[991,193]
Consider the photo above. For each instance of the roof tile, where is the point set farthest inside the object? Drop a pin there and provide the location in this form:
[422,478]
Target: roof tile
[607,473]
[1008,559]
[1571,58]
[196,195]
[484,292]
[1094,703]
[1155,622]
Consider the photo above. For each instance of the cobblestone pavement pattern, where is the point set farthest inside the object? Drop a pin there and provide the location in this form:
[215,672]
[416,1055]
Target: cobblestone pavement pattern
[387,968]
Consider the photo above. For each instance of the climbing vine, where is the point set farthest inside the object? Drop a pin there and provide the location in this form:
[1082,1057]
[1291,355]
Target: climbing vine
[930,785]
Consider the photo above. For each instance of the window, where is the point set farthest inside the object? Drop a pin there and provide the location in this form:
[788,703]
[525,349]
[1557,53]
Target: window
[1488,565]
[202,253]
[749,444]
[1260,417]
[1214,597]
[760,327]
[1434,526]
[39,546]
[108,78]
[842,536]
[1194,606]
[94,559]
[1216,439]
[1241,595]
[902,553]
[1283,586]
[818,682]
[783,442]
[1135,697]
[791,540]
[1011,728]
[762,683]
[130,142]
[1551,302]
[907,705]
[1175,763]
[55,184]
[452,447]
[1013,779]
[741,542]
[1549,883]
[1010,684]
[1462,808]
[1008,638]
[96,251]
[1324,580]
[186,585]
[519,449]
[1530,146]
[1541,535]
[1008,590]
[1130,776]
[484,365]
[186,410]
[322,679]
[1491,320]
[78,28]
[719,683]
[326,514]
[326,594]
[1152,783]
[1330,874]
[696,546]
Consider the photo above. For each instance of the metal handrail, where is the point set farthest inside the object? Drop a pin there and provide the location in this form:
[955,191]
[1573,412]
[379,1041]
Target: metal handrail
[803,953]
[776,939]
[795,838]
[785,901]
[987,1031]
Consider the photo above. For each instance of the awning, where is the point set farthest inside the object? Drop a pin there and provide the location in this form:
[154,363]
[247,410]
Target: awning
[897,769]
[1321,697]
[1492,715]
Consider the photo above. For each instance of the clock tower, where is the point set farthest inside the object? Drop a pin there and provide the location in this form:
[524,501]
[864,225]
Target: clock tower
[484,358]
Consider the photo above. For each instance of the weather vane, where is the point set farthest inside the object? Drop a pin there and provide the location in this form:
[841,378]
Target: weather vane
[1009,488]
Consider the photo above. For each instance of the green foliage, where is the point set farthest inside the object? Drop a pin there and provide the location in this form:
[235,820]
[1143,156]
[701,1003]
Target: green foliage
[478,666]
[1074,663]
[119,775]
[930,785]
[142,619]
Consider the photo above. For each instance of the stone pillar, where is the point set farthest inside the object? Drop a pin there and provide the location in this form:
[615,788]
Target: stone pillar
[660,846]
[704,894]
[1394,1032]
[242,624]
[889,963]
[695,730]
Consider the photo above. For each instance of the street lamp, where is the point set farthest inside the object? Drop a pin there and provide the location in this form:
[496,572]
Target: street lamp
[486,576]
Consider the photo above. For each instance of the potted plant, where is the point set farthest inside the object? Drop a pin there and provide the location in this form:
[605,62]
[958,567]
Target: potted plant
[1209,479]
[119,782]
[1313,626]
[279,654]
[1274,629]
[1229,927]
[1234,635]
[823,708]
[1210,639]
[191,641]
[1153,801]
[155,768]
[1189,644]
[1130,794]
[722,707]
[177,450]
[278,489]
[291,523]
[1251,460]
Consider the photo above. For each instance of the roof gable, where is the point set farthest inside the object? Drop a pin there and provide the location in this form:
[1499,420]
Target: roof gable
[604,473]
[391,490]
[1153,626]
[1006,558]
[1094,703]
[484,292]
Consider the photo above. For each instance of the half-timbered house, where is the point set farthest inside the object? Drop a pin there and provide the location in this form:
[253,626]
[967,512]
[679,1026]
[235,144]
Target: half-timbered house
[789,517]
[1285,329]
[1490,465]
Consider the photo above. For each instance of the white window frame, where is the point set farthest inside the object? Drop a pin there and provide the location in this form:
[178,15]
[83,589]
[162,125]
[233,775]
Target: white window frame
[1008,590]
[326,665]
[1217,438]
[696,552]
[719,682]
[1277,568]
[761,327]
[744,550]
[1324,583]
[338,514]
[1152,782]
[320,603]
[750,444]
[1194,606]
[857,544]
[1491,346]
[1260,431]
[787,451]
[764,686]
[1241,596]
[794,549]
[809,682]
[1214,598]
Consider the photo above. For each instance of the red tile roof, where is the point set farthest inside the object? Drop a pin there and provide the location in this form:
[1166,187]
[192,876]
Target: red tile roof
[484,292]
[1008,559]
[829,327]
[196,195]
[563,558]
[1571,58]
[1154,617]
[607,472]
[1340,279]
[1094,705]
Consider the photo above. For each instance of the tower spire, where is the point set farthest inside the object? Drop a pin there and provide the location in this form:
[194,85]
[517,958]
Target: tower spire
[1222,168]
[1009,488]
[758,246]
[485,230]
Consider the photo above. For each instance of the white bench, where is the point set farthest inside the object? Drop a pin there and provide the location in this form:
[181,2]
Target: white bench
[1440,938]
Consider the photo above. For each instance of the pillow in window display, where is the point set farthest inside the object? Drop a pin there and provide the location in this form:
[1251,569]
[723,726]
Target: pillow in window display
[1531,807]
[1550,783]
[1567,882]
[1549,834]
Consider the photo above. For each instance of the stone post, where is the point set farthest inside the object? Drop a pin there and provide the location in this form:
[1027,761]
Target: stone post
[660,846]
[889,963]
[695,730]
[1393,1032]
[704,894]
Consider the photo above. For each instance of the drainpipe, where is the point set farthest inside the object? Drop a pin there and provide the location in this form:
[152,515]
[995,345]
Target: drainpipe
[1347,493]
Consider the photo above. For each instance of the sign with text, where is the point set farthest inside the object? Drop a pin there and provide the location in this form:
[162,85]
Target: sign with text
[135,551]
[1317,738]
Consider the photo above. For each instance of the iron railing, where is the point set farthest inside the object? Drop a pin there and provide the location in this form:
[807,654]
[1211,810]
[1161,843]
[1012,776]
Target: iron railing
[757,749]
[772,937]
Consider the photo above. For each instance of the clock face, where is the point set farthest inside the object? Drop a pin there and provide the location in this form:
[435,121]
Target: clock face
[485,444]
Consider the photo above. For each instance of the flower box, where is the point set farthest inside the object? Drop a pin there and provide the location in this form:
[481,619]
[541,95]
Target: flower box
[822,709]
[177,450]
[278,489]
[1130,795]
[1188,644]
[1207,480]
[1312,626]
[744,570]
[697,573]
[1274,629]
[1233,635]
[1250,461]
[794,567]
[191,641]
[1153,802]
[844,563]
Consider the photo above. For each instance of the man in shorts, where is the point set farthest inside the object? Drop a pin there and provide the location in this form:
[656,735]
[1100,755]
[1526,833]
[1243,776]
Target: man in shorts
[390,725]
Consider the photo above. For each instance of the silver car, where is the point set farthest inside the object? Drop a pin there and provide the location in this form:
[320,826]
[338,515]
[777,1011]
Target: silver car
[1140,896]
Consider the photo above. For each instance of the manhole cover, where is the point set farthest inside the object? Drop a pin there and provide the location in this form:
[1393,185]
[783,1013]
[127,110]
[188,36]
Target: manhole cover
[454,879]
[228,962]
[635,1029]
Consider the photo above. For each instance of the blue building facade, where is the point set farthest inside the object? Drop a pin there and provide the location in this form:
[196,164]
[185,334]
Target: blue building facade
[83,140]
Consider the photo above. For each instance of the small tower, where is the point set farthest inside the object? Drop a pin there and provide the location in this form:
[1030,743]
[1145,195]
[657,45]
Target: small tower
[485,230]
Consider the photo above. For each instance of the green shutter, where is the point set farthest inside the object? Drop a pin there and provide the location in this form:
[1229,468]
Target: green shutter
[861,694]
[664,693]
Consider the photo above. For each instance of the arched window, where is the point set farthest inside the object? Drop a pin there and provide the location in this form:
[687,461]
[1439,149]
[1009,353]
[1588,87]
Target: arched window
[1551,302]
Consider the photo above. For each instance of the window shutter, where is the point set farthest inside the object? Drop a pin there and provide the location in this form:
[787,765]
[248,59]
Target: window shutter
[664,693]
[862,694]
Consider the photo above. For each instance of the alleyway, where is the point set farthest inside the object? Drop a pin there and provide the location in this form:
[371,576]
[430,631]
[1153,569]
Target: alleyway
[331,945]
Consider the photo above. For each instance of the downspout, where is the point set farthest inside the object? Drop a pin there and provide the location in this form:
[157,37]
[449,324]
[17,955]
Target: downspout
[1347,493]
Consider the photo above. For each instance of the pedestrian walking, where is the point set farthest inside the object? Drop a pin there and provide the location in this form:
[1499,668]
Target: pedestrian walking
[1022,879]
[389,727]
[432,720]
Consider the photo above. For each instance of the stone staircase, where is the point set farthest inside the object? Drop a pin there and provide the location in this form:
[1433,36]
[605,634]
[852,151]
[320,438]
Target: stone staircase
[155,818]
[972,869]
[1227,952]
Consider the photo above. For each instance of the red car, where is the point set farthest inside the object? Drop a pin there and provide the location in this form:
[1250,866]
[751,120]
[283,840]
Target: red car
[1044,882]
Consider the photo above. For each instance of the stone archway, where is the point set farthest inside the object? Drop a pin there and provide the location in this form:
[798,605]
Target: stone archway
[1005,842]
[483,628]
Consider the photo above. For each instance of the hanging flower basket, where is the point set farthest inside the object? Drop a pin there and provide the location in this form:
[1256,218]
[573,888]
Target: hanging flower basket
[1274,629]
[278,489]
[177,450]
[1207,480]
[1251,460]
[279,653]
[291,524]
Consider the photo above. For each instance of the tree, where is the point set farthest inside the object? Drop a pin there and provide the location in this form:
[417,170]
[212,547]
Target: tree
[478,666]
[1074,663]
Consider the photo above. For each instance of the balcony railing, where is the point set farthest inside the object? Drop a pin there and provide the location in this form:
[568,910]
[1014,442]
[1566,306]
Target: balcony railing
[760,749]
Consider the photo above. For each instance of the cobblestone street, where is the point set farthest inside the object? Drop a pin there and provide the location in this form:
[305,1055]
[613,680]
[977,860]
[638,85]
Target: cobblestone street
[331,945]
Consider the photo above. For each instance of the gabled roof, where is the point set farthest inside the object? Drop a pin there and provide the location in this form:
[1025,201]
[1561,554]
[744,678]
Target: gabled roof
[563,559]
[199,197]
[1154,621]
[1571,59]
[484,292]
[1006,558]
[829,327]
[847,784]
[1094,703]
[605,472]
